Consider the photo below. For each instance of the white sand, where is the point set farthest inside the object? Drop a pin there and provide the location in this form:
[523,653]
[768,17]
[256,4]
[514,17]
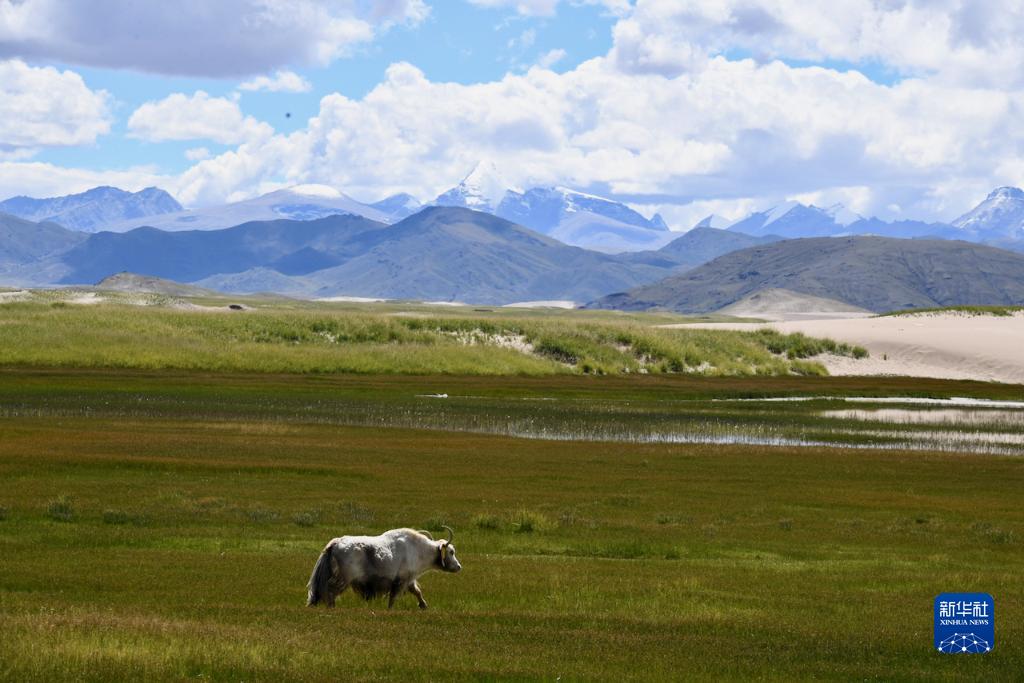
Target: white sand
[946,345]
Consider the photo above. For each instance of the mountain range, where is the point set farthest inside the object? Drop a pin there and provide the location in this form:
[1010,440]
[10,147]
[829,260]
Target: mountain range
[873,273]
[573,217]
[93,210]
[439,253]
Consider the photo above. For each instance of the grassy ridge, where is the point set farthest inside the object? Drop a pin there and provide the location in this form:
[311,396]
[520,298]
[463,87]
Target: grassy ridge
[413,340]
[998,311]
[177,545]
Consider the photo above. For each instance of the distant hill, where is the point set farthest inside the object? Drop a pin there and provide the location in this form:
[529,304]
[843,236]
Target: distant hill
[146,284]
[23,241]
[440,253]
[701,244]
[299,246]
[398,206]
[92,210]
[874,273]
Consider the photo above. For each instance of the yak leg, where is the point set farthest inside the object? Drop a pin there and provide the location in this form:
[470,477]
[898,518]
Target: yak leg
[396,588]
[334,589]
[414,588]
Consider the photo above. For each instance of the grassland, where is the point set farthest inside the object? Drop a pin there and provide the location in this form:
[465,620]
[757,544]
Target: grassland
[277,336]
[161,525]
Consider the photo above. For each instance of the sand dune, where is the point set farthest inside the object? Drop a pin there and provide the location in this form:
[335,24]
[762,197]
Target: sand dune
[945,345]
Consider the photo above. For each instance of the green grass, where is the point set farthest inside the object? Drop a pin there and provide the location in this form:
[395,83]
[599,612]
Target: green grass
[200,503]
[1000,311]
[401,339]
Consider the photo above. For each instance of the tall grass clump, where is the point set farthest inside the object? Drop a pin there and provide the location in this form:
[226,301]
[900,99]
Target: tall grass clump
[60,509]
[530,521]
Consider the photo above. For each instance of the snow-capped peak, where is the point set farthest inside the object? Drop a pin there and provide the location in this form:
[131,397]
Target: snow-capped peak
[842,215]
[781,210]
[484,186]
[482,189]
[315,190]
[1006,193]
[1000,216]
[713,221]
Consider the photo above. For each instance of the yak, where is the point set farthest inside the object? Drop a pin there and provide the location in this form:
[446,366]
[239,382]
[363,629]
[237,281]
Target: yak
[376,565]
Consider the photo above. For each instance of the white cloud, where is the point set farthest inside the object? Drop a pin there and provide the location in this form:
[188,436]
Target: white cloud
[736,133]
[197,37]
[281,81]
[39,179]
[199,117]
[976,42]
[197,154]
[550,58]
[44,107]
[665,122]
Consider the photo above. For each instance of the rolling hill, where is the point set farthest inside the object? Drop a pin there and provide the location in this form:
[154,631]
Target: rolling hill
[874,273]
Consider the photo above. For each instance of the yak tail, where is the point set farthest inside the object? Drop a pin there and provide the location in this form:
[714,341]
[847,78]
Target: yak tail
[320,577]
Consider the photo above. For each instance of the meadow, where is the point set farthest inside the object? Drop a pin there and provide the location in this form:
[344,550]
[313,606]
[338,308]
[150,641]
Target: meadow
[162,525]
[49,329]
[629,502]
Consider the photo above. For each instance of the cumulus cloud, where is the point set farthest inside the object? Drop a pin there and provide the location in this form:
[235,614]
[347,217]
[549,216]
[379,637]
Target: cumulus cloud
[44,107]
[975,42]
[282,81]
[197,37]
[736,133]
[195,117]
[664,120]
[550,58]
[39,179]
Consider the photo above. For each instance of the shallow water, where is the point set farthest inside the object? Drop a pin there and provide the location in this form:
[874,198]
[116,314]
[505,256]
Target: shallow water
[956,417]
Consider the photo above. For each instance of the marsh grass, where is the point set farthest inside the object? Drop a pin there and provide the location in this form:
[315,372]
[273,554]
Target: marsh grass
[317,340]
[645,562]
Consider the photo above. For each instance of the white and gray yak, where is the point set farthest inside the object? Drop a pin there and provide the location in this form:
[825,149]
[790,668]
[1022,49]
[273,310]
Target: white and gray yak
[377,565]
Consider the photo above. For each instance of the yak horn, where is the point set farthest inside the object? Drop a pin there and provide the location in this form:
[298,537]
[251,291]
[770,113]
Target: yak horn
[426,533]
[451,534]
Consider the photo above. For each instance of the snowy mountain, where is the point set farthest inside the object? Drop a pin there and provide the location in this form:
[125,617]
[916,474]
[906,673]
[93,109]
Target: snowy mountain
[997,219]
[793,219]
[398,206]
[300,203]
[576,218]
[94,209]
[482,190]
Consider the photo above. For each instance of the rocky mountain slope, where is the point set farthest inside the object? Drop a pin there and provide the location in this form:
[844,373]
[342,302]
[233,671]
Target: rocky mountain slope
[875,273]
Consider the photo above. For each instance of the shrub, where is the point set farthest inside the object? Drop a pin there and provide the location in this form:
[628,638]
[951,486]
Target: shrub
[529,521]
[306,519]
[116,517]
[61,509]
[487,521]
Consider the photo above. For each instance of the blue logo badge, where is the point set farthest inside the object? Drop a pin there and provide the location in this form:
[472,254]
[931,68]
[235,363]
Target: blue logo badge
[964,623]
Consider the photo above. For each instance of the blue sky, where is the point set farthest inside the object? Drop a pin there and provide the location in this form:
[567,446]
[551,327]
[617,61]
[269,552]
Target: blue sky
[904,109]
[458,42]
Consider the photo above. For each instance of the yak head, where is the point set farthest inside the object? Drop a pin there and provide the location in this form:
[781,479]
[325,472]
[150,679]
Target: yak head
[448,560]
